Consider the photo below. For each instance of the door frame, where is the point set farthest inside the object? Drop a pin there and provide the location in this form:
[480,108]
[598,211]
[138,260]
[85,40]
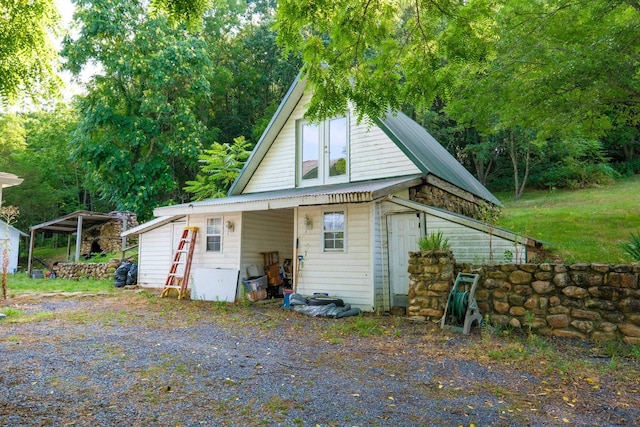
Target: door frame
[400,300]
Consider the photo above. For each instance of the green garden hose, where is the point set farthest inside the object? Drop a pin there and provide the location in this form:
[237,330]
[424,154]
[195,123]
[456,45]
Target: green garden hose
[458,302]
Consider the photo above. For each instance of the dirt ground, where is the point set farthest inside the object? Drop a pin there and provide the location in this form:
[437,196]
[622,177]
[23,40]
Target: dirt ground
[136,359]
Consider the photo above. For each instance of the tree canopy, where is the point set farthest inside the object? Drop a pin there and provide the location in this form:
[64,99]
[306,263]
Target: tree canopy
[553,66]
[141,126]
[27,55]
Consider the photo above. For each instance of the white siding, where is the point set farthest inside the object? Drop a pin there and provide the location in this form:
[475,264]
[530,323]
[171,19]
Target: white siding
[230,255]
[474,246]
[278,168]
[155,256]
[9,239]
[374,155]
[347,275]
[266,231]
[368,147]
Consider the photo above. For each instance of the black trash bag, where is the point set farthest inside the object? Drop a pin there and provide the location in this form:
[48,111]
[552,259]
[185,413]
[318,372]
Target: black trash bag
[132,275]
[121,273]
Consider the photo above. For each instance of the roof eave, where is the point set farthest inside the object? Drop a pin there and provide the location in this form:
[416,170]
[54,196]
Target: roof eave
[282,114]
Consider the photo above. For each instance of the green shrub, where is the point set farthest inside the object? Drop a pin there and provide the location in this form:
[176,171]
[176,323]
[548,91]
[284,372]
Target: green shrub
[433,242]
[632,247]
[627,169]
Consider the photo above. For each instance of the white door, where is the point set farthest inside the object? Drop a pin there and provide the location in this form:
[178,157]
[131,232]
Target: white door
[404,232]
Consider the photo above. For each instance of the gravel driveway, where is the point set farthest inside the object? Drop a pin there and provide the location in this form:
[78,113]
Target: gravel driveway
[138,360]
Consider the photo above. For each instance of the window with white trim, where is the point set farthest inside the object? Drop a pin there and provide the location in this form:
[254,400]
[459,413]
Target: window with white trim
[323,151]
[333,231]
[214,235]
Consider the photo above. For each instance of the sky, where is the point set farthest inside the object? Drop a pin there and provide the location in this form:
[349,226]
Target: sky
[65,8]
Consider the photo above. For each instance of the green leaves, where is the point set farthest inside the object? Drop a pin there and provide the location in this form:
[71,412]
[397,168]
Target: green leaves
[26,53]
[141,126]
[220,167]
[632,247]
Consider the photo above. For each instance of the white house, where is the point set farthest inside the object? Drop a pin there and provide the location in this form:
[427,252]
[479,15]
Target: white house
[344,201]
[10,239]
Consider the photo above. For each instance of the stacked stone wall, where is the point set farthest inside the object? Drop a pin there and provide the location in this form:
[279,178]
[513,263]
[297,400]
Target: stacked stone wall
[93,270]
[587,301]
[473,207]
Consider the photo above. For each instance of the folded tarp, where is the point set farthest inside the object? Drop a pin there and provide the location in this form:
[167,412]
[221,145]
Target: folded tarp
[299,304]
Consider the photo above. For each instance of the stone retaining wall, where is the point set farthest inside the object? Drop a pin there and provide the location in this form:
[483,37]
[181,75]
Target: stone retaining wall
[93,270]
[587,301]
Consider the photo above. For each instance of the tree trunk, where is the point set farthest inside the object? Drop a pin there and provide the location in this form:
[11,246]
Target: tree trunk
[519,186]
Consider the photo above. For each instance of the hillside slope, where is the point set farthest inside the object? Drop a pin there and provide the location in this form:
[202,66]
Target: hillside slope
[578,226]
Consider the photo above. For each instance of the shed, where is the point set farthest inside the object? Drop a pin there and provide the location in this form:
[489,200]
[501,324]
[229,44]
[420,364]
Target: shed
[10,239]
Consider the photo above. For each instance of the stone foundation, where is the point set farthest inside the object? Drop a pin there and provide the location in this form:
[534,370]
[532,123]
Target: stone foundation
[587,301]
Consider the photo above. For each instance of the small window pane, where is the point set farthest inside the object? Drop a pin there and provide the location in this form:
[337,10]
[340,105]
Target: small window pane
[310,151]
[338,146]
[334,221]
[214,226]
[334,240]
[214,243]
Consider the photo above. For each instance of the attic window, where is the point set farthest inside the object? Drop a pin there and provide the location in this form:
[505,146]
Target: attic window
[323,152]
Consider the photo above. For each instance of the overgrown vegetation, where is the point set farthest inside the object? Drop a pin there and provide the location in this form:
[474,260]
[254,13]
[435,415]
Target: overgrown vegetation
[632,247]
[434,241]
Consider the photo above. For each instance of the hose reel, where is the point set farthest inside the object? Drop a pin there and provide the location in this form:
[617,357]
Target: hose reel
[462,309]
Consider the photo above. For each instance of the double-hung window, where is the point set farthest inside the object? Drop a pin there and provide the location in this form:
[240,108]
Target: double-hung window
[214,235]
[333,231]
[323,152]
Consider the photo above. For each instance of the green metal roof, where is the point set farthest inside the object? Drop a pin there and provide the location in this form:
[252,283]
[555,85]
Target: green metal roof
[429,155]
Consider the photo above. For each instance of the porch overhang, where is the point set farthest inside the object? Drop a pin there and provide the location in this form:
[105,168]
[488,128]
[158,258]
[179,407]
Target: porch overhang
[465,221]
[358,192]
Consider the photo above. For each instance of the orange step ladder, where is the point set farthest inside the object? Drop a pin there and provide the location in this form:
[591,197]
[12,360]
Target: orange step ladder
[183,256]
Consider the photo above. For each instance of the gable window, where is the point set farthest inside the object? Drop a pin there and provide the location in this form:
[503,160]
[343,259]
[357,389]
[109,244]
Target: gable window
[214,235]
[333,230]
[323,152]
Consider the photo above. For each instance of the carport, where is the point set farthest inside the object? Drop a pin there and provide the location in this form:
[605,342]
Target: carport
[73,223]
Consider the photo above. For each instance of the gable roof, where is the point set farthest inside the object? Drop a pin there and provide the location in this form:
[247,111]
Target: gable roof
[4,224]
[269,135]
[414,141]
[429,155]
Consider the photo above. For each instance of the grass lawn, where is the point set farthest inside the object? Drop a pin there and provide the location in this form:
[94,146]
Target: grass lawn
[578,226]
[20,284]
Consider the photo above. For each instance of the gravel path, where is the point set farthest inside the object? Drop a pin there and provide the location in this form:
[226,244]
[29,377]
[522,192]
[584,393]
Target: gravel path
[139,361]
